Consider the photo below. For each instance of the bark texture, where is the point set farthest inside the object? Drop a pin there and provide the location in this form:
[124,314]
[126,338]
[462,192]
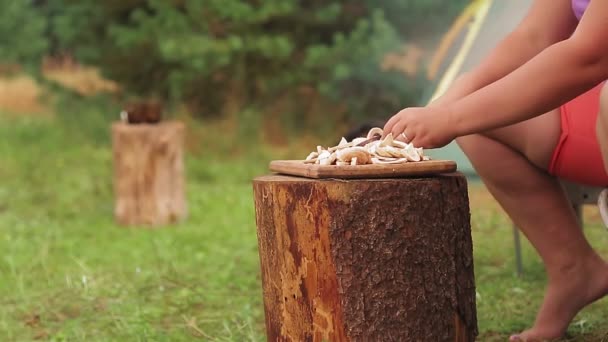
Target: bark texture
[148,173]
[366,260]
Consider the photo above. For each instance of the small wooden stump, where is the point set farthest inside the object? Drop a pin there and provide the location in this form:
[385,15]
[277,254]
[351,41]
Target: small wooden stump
[366,260]
[148,173]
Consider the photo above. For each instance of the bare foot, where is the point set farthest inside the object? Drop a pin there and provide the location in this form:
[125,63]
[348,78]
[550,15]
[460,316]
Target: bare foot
[567,293]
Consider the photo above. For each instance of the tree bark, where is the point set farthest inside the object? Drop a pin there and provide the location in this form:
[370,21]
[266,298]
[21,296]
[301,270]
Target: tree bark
[148,173]
[366,260]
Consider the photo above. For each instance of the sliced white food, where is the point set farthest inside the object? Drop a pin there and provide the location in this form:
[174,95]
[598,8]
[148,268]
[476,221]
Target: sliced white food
[375,131]
[389,160]
[312,155]
[387,141]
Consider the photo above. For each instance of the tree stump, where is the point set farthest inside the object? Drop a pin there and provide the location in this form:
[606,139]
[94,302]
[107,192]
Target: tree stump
[366,260]
[148,173]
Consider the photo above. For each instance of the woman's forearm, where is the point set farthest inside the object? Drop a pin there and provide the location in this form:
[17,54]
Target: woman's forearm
[553,77]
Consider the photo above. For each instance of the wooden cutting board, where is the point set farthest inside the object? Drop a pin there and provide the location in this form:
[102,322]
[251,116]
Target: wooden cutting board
[422,168]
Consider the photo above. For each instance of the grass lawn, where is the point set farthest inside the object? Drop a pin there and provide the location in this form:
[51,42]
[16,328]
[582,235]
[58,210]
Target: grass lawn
[68,273]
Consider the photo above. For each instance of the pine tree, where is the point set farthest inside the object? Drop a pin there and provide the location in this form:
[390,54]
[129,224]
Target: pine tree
[203,51]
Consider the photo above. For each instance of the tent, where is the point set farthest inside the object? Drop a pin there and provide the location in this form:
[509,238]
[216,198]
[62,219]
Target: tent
[479,28]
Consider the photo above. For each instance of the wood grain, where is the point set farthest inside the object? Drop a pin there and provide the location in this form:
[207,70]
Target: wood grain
[423,168]
[148,173]
[366,260]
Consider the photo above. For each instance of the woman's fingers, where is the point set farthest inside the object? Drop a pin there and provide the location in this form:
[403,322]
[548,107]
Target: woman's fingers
[388,127]
[398,128]
[403,137]
[406,137]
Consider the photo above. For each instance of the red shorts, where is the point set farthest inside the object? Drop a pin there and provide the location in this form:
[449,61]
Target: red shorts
[577,156]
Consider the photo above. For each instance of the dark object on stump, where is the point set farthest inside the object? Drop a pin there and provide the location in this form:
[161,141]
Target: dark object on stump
[148,173]
[143,112]
[366,260]
[362,129]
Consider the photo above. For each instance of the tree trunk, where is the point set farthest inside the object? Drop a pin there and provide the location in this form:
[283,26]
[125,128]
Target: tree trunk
[366,260]
[148,173]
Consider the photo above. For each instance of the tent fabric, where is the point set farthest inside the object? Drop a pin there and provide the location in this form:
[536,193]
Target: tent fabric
[472,45]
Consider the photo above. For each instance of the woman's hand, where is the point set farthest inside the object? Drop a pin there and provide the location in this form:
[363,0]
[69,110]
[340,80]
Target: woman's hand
[428,127]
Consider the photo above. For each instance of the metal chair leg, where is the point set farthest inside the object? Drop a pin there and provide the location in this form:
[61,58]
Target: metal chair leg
[578,211]
[518,260]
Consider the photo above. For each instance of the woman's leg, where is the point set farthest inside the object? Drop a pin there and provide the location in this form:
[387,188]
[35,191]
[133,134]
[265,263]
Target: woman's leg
[602,125]
[512,162]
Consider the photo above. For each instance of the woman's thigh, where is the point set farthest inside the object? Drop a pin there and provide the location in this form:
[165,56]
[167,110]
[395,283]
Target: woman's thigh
[535,139]
[568,142]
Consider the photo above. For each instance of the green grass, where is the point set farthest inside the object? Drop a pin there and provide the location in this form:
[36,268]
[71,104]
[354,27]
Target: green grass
[506,303]
[68,273]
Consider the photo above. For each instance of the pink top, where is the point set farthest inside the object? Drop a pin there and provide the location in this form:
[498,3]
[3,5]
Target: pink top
[579,7]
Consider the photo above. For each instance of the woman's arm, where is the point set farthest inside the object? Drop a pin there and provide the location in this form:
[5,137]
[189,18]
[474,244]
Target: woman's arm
[547,22]
[553,77]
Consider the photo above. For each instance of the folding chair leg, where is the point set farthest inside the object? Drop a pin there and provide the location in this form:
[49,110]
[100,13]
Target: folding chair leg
[578,210]
[518,261]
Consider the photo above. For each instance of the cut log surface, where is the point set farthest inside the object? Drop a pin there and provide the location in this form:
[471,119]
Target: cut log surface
[148,173]
[366,260]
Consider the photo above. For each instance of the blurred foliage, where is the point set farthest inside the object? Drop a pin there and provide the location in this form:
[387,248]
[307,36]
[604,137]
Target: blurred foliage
[419,17]
[210,54]
[22,33]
